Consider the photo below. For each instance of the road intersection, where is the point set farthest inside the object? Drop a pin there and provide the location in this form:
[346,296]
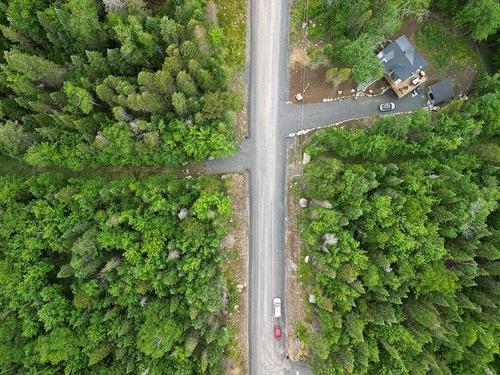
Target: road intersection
[263,155]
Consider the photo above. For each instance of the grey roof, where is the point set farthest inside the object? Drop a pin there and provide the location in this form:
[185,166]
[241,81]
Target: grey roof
[441,91]
[401,58]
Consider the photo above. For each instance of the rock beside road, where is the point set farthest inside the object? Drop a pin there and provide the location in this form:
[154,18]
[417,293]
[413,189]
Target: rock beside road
[303,202]
[306,158]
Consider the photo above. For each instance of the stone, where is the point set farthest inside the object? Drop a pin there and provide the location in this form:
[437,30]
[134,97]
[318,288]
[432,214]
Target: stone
[312,298]
[352,90]
[306,158]
[339,92]
[303,202]
[240,287]
[306,259]
[182,213]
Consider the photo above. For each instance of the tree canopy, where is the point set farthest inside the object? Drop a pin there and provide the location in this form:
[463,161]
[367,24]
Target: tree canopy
[404,264]
[91,83]
[106,277]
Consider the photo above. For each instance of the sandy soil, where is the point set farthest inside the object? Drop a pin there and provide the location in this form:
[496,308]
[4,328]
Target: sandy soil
[235,265]
[295,296]
[312,85]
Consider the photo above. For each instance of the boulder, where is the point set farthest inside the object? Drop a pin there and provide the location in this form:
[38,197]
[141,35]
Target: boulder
[312,298]
[303,202]
[306,158]
[240,287]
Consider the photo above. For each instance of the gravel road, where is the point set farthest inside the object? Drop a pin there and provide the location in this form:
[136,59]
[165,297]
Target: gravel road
[267,269]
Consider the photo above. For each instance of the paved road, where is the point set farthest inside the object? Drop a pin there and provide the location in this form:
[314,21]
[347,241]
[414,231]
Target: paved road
[264,156]
[302,117]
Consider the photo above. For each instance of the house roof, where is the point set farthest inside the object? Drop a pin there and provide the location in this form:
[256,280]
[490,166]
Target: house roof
[441,91]
[401,58]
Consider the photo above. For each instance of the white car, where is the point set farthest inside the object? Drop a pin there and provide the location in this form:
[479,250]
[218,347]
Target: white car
[386,107]
[277,307]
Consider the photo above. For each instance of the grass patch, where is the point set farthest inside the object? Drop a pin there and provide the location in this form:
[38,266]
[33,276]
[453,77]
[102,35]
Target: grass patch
[445,49]
[232,17]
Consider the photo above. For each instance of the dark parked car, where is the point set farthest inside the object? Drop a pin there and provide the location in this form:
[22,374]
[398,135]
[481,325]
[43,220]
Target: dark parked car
[386,107]
[417,91]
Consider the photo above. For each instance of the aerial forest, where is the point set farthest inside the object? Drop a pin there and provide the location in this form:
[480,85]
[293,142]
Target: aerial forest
[113,276]
[88,83]
[402,238]
[106,272]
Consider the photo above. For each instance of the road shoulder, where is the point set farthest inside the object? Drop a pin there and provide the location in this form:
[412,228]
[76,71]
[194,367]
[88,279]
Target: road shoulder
[296,306]
[235,248]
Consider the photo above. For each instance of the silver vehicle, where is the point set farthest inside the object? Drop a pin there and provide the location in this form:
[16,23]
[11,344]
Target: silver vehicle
[386,107]
[277,307]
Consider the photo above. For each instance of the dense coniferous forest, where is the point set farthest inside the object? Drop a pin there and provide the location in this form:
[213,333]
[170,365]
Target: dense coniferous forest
[351,29]
[403,234]
[111,276]
[113,83]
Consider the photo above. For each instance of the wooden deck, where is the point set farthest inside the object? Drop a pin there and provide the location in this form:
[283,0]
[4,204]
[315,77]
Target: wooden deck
[405,87]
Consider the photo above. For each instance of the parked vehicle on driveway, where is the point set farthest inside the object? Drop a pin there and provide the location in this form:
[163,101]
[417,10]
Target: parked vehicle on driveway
[277,332]
[417,91]
[277,307]
[386,107]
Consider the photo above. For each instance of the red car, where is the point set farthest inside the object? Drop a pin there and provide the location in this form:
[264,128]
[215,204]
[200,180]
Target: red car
[277,332]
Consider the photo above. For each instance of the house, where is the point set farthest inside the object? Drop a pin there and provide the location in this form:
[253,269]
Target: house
[403,66]
[440,92]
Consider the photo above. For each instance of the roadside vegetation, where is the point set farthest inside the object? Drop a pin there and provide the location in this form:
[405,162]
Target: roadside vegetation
[402,234]
[232,17]
[345,34]
[90,83]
